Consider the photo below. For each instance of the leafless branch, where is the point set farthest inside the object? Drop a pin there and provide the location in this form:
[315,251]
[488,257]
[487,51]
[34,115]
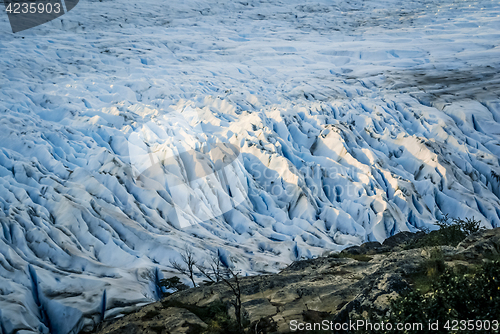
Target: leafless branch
[188,266]
[205,272]
[226,275]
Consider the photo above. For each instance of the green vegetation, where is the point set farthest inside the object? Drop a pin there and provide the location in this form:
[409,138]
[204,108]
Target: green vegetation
[429,271]
[173,283]
[471,294]
[447,294]
[453,296]
[451,232]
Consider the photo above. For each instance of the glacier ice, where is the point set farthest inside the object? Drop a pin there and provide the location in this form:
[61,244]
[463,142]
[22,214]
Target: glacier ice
[262,131]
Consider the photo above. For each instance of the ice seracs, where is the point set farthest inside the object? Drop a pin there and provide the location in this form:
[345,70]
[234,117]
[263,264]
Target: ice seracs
[265,132]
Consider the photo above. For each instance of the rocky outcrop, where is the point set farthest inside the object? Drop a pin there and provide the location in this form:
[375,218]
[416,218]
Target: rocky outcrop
[479,245]
[152,319]
[359,280]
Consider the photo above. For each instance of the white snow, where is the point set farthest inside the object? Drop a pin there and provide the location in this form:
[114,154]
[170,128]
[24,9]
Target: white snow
[351,121]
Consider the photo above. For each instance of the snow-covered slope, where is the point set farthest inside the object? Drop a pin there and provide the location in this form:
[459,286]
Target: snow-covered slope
[332,122]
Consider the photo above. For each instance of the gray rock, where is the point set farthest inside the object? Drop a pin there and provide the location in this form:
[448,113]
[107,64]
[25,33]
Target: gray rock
[368,248]
[484,243]
[335,288]
[402,238]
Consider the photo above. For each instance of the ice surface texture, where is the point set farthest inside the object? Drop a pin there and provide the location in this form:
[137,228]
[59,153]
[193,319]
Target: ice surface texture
[352,121]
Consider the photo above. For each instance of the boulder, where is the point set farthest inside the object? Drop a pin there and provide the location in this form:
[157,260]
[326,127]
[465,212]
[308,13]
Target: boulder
[368,248]
[402,238]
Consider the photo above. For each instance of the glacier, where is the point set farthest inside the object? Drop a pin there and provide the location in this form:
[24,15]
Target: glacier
[263,130]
